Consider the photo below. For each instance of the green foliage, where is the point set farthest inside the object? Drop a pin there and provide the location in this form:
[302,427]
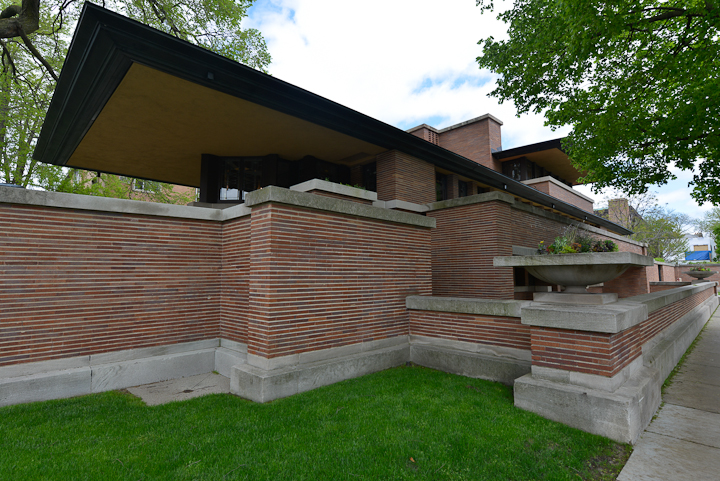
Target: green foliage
[700,268]
[663,230]
[638,81]
[402,423]
[27,87]
[576,241]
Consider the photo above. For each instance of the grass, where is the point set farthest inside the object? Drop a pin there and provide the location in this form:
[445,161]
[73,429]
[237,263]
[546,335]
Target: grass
[403,423]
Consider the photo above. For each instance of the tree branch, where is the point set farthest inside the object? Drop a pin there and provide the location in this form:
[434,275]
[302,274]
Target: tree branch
[38,55]
[6,54]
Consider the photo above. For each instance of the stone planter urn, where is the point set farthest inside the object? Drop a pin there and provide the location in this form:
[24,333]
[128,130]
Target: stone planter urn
[700,274]
[576,272]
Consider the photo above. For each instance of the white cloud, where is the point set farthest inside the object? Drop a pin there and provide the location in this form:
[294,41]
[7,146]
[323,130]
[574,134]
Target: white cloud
[404,62]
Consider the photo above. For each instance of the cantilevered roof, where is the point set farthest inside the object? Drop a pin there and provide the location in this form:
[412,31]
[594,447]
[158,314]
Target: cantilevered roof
[548,154]
[132,100]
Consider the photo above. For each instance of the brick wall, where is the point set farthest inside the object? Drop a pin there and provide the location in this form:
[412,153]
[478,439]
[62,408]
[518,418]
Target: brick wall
[463,246]
[490,330]
[586,352]
[605,354]
[322,280]
[652,273]
[77,282]
[426,134]
[633,282]
[402,177]
[475,141]
[234,279]
[467,238]
[667,273]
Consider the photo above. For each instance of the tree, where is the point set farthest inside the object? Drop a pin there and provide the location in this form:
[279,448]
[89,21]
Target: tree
[36,43]
[638,81]
[661,228]
[710,224]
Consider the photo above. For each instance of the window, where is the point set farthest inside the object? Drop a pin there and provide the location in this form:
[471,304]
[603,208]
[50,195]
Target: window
[462,189]
[139,185]
[440,186]
[240,176]
[369,173]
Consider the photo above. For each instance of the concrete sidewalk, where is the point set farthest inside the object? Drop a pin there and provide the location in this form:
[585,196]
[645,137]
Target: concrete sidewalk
[181,389]
[683,442]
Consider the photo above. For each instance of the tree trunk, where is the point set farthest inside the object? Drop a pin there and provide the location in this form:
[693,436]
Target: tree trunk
[15,20]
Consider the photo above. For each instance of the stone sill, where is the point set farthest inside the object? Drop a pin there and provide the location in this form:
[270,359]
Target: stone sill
[41,198]
[557,183]
[318,202]
[334,188]
[462,305]
[608,318]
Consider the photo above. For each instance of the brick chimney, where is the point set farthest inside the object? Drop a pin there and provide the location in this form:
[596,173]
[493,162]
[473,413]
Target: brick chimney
[475,139]
[619,212]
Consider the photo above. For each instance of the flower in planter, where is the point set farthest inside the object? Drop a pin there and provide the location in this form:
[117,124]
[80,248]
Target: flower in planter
[575,241]
[700,268]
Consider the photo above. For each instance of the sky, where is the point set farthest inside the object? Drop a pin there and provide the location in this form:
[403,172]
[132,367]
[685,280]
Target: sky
[408,62]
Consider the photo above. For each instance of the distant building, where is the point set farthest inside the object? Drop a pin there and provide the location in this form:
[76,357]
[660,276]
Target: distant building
[700,247]
[619,211]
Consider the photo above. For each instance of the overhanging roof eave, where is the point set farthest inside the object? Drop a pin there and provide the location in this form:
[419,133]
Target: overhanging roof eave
[106,44]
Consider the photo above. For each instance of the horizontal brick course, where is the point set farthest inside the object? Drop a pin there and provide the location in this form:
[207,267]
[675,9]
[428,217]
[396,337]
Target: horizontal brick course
[489,330]
[605,354]
[234,279]
[78,283]
[322,280]
[403,177]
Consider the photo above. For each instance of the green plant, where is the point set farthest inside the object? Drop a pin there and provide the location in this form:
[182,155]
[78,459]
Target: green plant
[604,246]
[452,427]
[575,241]
[700,268]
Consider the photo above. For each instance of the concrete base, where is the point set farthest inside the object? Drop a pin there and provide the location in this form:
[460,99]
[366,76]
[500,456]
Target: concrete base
[621,415]
[472,360]
[624,413]
[263,385]
[41,381]
[575,298]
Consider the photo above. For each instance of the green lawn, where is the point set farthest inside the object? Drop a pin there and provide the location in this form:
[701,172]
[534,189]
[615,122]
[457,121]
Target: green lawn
[403,423]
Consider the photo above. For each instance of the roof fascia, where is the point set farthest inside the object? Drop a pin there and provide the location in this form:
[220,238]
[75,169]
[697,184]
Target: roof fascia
[529,149]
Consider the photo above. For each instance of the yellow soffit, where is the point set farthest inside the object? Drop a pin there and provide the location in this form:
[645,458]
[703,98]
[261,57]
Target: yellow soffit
[156,126]
[554,160]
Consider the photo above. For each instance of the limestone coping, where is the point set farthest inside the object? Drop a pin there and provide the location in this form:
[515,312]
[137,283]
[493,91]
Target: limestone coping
[402,205]
[340,206]
[335,188]
[12,195]
[472,199]
[660,299]
[462,305]
[556,182]
[608,318]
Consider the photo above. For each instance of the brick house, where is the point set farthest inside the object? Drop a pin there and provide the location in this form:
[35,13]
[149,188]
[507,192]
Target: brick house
[282,277]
